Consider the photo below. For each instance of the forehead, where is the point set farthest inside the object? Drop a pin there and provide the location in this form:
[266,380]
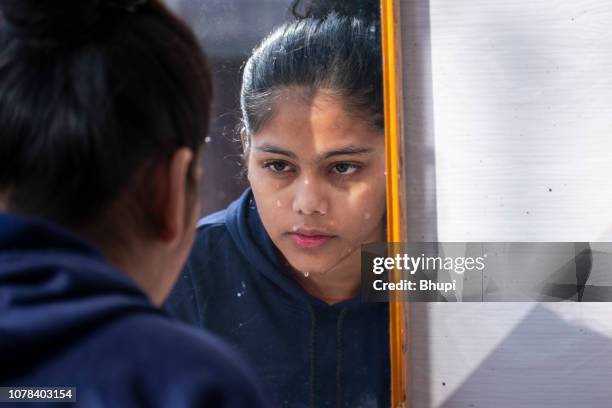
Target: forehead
[314,124]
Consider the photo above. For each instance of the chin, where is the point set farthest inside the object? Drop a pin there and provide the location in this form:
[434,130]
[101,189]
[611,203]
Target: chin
[310,271]
[312,265]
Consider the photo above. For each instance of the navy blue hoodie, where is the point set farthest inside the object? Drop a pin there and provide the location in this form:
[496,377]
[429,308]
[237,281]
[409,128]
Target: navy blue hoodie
[307,353]
[69,319]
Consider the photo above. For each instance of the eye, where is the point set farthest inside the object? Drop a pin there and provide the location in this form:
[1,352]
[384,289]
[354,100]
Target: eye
[345,168]
[277,166]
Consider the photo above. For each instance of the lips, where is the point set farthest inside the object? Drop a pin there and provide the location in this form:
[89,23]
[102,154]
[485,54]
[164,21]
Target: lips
[310,239]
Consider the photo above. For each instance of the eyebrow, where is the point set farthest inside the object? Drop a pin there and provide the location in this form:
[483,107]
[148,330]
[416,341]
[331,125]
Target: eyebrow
[268,148]
[349,150]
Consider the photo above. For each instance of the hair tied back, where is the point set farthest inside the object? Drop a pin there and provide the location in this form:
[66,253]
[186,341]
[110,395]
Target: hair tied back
[366,10]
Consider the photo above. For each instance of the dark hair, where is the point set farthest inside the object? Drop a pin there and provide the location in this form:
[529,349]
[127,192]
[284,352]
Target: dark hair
[362,9]
[92,92]
[332,45]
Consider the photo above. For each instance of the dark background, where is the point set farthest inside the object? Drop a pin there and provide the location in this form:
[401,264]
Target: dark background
[228,31]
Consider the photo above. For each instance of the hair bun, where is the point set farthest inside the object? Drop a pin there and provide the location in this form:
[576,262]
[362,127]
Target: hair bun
[363,9]
[50,18]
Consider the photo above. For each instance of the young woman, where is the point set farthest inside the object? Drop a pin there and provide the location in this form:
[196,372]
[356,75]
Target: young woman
[103,108]
[277,273]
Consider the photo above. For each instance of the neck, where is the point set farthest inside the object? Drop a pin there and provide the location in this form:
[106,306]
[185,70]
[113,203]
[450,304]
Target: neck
[130,256]
[133,267]
[4,199]
[341,283]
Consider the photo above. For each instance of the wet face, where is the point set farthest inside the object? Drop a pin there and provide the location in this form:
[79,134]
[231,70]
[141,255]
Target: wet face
[318,177]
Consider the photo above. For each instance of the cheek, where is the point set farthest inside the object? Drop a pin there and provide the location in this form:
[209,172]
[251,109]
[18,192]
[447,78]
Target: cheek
[361,209]
[273,202]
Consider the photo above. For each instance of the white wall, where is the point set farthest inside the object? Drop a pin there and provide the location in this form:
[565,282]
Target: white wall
[510,103]
[522,106]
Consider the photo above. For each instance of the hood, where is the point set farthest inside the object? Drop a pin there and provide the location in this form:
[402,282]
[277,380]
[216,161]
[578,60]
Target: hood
[54,289]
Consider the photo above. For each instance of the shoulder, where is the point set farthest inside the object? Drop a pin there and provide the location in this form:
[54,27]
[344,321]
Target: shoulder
[189,348]
[211,255]
[220,221]
[210,230]
[214,219]
[212,249]
[220,236]
[200,369]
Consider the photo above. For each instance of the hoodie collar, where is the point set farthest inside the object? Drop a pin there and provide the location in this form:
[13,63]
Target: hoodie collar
[18,233]
[55,286]
[42,247]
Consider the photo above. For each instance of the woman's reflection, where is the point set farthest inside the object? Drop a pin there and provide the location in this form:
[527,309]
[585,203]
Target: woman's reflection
[277,273]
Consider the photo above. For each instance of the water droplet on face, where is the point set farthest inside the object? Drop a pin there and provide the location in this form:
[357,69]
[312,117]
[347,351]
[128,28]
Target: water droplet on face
[367,216]
[295,228]
[306,274]
[278,203]
[306,182]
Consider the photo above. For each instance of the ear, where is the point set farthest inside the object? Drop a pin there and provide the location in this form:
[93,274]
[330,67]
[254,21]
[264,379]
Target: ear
[4,199]
[244,141]
[174,203]
[246,146]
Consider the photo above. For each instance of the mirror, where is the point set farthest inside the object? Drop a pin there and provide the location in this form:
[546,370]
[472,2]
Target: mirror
[276,273]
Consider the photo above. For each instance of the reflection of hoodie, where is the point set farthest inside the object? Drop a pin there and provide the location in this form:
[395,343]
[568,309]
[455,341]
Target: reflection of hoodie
[69,319]
[307,353]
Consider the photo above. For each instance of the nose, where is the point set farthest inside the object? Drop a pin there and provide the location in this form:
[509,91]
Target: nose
[310,198]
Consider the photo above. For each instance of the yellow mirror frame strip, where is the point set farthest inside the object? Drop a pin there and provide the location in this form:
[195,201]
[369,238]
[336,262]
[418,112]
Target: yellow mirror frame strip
[393,145]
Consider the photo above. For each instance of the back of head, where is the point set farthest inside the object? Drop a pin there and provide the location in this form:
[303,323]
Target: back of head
[91,93]
[332,45]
